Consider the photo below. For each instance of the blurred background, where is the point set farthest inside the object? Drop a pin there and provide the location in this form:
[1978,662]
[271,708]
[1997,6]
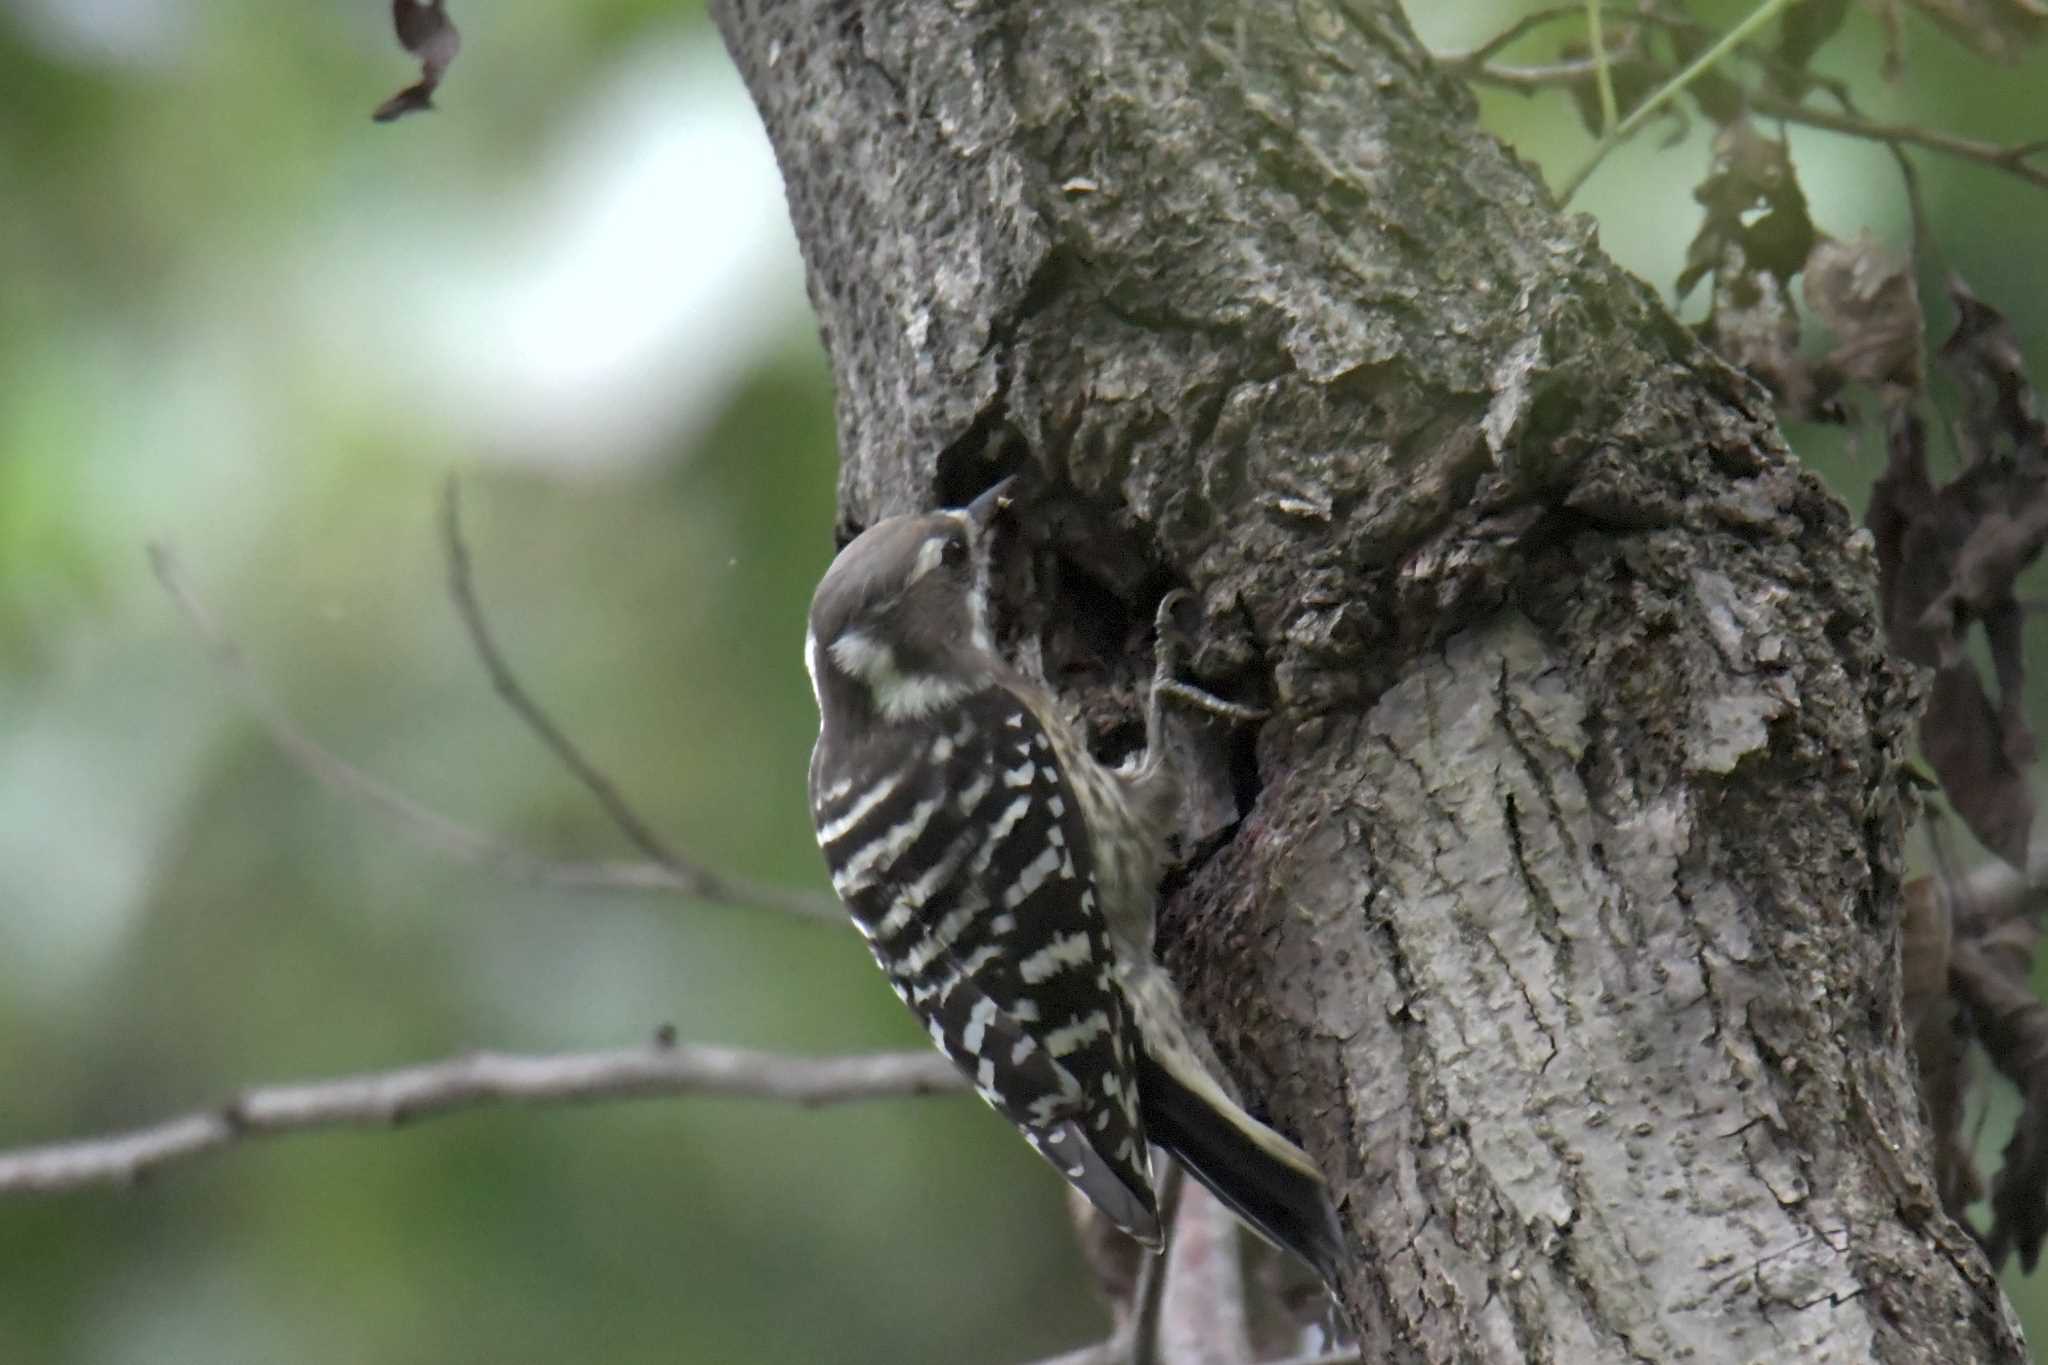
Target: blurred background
[238,318]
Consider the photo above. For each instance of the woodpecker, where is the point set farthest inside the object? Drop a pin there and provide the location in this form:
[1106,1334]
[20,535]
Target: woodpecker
[1006,882]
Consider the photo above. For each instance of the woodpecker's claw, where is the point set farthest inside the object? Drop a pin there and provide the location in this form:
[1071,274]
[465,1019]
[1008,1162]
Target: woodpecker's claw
[1166,661]
[1165,617]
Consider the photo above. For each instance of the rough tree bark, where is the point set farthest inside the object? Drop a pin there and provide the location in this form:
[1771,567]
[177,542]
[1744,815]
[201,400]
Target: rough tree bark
[1561,921]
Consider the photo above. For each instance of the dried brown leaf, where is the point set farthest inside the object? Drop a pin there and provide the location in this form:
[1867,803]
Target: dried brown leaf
[1896,516]
[1926,936]
[1866,296]
[1950,557]
[1755,236]
[425,30]
[1964,740]
[1941,1048]
[1991,982]
[1940,1042]
[1749,172]
[1754,325]
[1985,357]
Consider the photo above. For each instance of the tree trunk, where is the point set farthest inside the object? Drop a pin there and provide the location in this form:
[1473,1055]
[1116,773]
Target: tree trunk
[1561,924]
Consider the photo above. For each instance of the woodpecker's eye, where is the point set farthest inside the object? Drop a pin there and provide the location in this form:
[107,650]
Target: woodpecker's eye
[954,552]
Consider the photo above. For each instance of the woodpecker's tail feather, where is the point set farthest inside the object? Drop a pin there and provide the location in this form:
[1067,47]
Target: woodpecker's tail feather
[1108,1184]
[1258,1175]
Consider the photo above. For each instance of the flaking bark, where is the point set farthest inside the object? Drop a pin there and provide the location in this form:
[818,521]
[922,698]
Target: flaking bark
[1561,922]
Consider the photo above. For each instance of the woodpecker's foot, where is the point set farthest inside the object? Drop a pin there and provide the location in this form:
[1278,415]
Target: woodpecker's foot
[1189,695]
[1166,660]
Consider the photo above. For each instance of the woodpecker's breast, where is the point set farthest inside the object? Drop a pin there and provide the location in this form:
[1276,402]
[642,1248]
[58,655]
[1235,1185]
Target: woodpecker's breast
[1128,814]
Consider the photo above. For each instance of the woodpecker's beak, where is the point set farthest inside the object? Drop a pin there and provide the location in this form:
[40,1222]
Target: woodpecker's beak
[984,509]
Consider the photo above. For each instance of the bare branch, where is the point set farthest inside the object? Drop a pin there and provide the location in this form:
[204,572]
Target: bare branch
[1526,78]
[694,878]
[1202,1319]
[1136,1338]
[428,826]
[1116,1350]
[2012,160]
[387,1099]
[1111,1350]
[1150,1296]
[690,877]
[1470,61]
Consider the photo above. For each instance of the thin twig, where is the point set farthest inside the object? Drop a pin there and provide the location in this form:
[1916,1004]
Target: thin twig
[462,588]
[1602,77]
[1546,76]
[1471,59]
[2015,159]
[386,1099]
[1668,91]
[427,825]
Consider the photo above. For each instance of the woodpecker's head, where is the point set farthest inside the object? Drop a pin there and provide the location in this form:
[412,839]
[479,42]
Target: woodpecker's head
[899,625]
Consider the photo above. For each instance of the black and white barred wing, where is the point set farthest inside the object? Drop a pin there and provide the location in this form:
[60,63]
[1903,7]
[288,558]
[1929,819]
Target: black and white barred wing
[967,869]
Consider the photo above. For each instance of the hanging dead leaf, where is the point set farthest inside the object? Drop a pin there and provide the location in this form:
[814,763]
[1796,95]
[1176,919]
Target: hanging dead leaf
[1950,557]
[425,30]
[1940,1035]
[1755,236]
[1990,977]
[1913,549]
[1866,296]
[1964,740]
[1750,172]
[1985,357]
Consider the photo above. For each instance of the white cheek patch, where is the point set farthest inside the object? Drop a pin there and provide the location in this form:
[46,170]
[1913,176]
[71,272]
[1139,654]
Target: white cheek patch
[863,656]
[897,695]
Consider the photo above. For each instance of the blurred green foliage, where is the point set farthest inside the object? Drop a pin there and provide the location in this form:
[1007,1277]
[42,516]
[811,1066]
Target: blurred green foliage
[238,317]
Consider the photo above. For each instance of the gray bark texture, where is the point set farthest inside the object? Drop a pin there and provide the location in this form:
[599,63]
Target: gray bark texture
[1561,922]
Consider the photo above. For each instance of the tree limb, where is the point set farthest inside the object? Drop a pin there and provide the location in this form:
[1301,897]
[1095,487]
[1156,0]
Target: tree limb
[1114,1349]
[1202,1319]
[1149,1299]
[479,1080]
